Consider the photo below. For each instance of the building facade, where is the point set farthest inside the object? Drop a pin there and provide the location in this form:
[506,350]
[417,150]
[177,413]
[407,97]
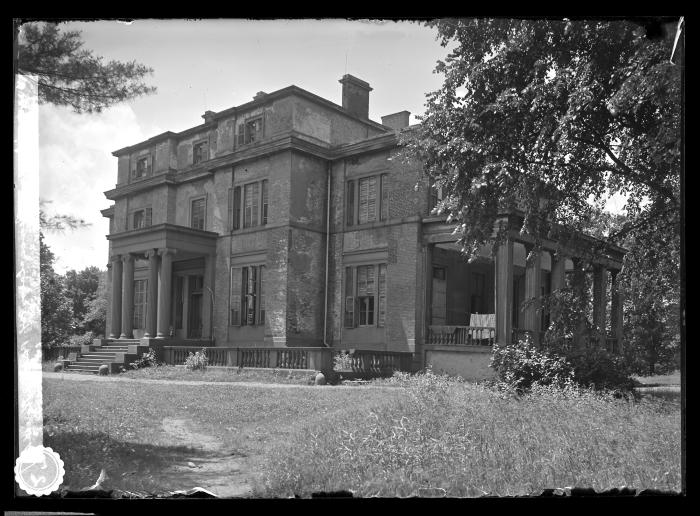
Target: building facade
[283,222]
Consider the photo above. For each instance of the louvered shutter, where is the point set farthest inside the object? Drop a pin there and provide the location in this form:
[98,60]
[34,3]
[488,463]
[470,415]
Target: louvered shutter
[350,203]
[237,207]
[241,134]
[385,197]
[244,297]
[148,218]
[235,296]
[349,299]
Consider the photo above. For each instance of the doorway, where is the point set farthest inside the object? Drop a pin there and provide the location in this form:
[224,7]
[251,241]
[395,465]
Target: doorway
[194,318]
[439,297]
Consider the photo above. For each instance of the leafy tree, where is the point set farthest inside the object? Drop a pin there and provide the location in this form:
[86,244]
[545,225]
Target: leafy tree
[95,319]
[81,289]
[565,112]
[56,313]
[72,76]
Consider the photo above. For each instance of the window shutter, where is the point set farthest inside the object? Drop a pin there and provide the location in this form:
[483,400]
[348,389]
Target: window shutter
[244,297]
[371,199]
[264,202]
[230,209]
[235,296]
[148,218]
[261,296]
[237,207]
[349,299]
[381,292]
[241,134]
[350,203]
[384,187]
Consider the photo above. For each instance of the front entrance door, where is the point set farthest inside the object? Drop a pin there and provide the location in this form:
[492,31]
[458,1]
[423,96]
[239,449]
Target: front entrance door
[439,301]
[194,316]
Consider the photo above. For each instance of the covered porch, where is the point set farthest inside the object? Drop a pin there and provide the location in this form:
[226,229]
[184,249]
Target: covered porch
[500,299]
[162,283]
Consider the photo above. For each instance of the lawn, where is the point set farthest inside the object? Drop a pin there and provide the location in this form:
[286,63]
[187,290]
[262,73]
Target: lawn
[222,374]
[429,435]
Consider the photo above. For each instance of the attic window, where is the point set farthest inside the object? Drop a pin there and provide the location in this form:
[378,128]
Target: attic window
[199,152]
[143,167]
[250,131]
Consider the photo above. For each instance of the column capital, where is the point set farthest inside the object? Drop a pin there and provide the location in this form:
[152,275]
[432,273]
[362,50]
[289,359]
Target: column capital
[150,253]
[115,258]
[128,257]
[167,251]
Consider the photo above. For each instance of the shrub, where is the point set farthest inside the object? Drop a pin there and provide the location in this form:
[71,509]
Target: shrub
[58,366]
[82,340]
[522,365]
[148,359]
[195,361]
[342,361]
[598,369]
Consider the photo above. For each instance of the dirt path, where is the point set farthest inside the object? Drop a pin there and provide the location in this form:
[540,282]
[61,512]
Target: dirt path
[224,472]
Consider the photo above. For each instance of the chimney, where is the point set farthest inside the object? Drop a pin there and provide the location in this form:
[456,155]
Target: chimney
[397,121]
[355,96]
[208,116]
[260,95]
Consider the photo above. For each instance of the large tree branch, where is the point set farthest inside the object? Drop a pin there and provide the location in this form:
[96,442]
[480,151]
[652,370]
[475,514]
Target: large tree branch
[627,172]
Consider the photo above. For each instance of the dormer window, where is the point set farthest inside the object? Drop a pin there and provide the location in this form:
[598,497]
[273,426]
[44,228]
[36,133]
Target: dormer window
[143,167]
[200,152]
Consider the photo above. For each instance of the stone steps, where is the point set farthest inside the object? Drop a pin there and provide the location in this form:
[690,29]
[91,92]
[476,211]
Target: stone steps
[114,353]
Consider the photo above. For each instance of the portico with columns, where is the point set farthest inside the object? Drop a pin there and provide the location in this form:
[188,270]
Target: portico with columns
[151,259]
[523,274]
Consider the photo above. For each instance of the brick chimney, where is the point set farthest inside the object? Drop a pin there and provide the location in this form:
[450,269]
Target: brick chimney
[355,96]
[397,121]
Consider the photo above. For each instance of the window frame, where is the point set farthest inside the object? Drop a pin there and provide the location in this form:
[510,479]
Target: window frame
[381,199]
[374,305]
[238,211]
[204,210]
[246,281]
[147,218]
[243,133]
[203,143]
[141,173]
[140,302]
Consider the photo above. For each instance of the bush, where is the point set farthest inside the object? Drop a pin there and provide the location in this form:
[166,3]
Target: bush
[342,361]
[82,340]
[148,359]
[522,365]
[195,361]
[598,369]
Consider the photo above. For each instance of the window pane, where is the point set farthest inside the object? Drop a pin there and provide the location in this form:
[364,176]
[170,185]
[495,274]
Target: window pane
[251,295]
[349,299]
[261,296]
[138,219]
[237,207]
[198,214]
[139,320]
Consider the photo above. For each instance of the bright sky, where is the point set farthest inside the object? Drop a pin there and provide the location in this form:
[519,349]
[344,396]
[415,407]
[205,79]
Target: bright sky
[214,65]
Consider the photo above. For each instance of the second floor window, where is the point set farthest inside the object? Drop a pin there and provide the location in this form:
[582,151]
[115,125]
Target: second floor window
[367,199]
[435,197]
[248,205]
[200,152]
[198,213]
[141,218]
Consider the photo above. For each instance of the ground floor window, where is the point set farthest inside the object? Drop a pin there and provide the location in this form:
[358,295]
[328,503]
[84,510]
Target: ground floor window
[365,295]
[247,296]
[140,303]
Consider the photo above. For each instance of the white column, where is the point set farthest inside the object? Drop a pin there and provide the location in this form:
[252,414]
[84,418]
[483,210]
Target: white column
[151,307]
[116,326]
[164,296]
[128,297]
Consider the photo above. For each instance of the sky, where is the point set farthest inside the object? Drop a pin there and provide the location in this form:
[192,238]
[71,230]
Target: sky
[213,65]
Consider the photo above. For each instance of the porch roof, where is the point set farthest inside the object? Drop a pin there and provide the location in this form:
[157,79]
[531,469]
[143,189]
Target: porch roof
[188,242]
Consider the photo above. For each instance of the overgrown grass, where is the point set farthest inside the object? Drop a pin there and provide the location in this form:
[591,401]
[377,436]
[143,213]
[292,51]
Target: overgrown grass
[118,425]
[221,374]
[470,440]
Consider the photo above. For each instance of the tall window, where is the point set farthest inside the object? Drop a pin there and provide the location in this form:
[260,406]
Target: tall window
[250,204]
[365,296]
[435,197]
[178,301]
[247,296]
[140,300]
[199,152]
[198,213]
[141,218]
[367,199]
